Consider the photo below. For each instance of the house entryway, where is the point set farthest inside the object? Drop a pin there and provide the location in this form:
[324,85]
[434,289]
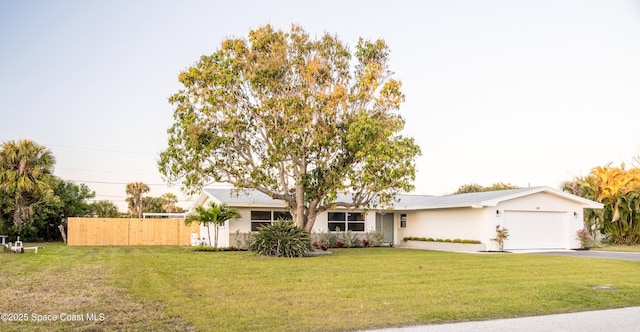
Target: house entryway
[384,222]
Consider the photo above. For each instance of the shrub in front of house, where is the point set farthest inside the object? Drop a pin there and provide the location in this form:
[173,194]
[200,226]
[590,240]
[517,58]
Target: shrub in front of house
[430,239]
[325,240]
[350,239]
[281,239]
[374,238]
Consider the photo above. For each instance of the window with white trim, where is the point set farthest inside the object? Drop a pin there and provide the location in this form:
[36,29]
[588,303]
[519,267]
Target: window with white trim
[352,221]
[403,220]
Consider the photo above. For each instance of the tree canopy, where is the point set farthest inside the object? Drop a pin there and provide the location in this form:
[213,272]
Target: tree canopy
[33,202]
[618,188]
[25,176]
[105,209]
[474,187]
[299,119]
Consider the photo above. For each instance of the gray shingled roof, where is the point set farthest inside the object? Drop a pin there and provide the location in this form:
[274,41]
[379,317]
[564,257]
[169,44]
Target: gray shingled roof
[249,197]
[468,199]
[405,201]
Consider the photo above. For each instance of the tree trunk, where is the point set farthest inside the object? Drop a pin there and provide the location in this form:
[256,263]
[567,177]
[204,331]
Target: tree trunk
[209,233]
[300,220]
[311,217]
[215,239]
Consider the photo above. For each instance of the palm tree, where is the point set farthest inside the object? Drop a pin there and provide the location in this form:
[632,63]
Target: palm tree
[169,202]
[25,173]
[135,190]
[215,214]
[105,209]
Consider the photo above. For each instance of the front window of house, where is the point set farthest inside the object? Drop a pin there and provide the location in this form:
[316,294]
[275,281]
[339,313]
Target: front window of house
[352,221]
[267,217]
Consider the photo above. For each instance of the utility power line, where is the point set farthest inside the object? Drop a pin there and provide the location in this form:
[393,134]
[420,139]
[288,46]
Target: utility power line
[99,149]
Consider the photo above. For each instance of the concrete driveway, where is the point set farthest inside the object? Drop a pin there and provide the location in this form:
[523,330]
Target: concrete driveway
[613,320]
[630,256]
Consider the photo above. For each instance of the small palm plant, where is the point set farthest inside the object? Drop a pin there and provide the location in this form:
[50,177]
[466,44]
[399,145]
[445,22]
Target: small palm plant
[215,214]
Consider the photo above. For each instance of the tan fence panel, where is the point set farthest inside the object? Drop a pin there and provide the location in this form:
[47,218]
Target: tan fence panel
[128,231]
[115,232]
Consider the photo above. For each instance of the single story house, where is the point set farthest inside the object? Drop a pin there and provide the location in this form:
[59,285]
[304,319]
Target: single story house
[536,218]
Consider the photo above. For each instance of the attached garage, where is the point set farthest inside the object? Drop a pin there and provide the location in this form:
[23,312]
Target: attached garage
[536,218]
[536,230]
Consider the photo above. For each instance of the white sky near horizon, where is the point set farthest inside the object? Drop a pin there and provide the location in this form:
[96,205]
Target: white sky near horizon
[522,92]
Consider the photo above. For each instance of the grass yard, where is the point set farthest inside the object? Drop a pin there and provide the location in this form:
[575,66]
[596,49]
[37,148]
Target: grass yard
[618,248]
[176,289]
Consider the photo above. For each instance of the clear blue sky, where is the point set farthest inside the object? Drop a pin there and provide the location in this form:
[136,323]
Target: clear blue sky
[525,92]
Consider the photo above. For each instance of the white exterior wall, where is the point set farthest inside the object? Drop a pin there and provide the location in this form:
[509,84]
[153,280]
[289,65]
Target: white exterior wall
[242,224]
[454,223]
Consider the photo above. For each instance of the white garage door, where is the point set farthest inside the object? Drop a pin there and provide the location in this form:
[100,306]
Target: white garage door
[535,230]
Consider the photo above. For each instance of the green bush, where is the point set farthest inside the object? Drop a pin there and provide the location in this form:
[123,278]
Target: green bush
[243,240]
[326,239]
[281,239]
[350,239]
[374,238]
[430,239]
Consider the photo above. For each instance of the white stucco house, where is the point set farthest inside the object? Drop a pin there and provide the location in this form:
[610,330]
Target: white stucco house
[537,218]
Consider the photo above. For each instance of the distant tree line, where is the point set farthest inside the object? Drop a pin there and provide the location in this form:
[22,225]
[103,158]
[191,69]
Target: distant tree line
[138,204]
[34,202]
[474,187]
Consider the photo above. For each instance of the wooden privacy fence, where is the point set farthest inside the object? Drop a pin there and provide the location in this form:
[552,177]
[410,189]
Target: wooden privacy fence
[129,232]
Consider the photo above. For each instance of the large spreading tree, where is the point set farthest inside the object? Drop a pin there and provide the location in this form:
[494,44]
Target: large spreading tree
[302,120]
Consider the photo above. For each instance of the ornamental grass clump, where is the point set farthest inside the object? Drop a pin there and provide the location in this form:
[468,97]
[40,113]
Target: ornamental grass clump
[281,239]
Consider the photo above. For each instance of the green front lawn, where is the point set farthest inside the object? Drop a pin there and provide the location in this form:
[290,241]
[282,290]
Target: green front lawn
[174,288]
[619,248]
